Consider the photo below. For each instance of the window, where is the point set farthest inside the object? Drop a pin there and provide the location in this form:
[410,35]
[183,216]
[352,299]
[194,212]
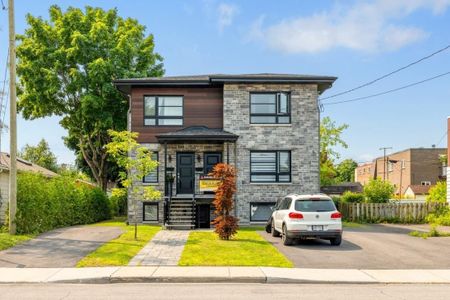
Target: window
[270,108]
[151,211]
[390,166]
[270,166]
[285,203]
[163,110]
[403,164]
[314,205]
[152,177]
[425,183]
[261,211]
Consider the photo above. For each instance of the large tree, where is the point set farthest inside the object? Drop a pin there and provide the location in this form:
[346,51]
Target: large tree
[40,155]
[345,170]
[66,66]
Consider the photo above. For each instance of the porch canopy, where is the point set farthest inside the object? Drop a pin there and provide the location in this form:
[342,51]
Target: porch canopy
[197,134]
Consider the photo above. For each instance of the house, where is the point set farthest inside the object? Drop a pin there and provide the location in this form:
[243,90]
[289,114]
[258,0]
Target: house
[22,165]
[417,192]
[414,166]
[447,168]
[266,125]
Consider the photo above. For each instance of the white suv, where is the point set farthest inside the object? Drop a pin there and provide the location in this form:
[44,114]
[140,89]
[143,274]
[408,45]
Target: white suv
[307,216]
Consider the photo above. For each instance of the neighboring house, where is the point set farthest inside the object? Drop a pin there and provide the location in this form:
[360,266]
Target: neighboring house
[266,125]
[22,165]
[341,188]
[415,166]
[417,192]
[364,172]
[447,169]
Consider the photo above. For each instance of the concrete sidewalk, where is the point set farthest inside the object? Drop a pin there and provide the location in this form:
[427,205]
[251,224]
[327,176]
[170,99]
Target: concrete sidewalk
[218,274]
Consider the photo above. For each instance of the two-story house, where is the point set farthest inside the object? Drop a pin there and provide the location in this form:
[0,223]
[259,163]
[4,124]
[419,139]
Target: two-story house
[265,125]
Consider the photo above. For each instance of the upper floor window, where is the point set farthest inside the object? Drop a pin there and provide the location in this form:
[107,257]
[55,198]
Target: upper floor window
[163,110]
[270,166]
[152,177]
[270,108]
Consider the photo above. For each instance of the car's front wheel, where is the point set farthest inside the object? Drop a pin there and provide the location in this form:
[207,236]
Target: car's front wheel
[286,240]
[336,241]
[273,231]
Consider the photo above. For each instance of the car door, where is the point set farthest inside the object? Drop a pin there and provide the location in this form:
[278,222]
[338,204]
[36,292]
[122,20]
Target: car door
[281,213]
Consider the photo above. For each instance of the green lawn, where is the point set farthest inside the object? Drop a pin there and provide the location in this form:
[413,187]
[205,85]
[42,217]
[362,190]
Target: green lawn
[352,224]
[247,248]
[120,251]
[8,241]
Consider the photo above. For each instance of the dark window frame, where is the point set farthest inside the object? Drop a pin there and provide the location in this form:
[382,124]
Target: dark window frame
[277,172]
[157,117]
[205,154]
[277,105]
[157,169]
[144,204]
[259,203]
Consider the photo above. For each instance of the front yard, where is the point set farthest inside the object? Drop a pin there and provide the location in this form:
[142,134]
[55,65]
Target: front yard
[8,241]
[247,248]
[119,251]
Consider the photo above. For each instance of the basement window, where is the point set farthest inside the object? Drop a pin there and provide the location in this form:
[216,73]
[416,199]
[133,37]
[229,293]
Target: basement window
[151,211]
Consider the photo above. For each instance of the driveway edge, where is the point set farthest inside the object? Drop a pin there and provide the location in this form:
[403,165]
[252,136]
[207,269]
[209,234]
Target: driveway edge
[176,274]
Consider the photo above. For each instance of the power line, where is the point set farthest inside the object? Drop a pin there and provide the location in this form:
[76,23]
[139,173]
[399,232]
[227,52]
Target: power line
[388,91]
[388,74]
[443,136]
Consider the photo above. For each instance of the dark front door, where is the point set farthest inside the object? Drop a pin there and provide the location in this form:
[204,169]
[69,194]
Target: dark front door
[203,216]
[185,172]
[210,160]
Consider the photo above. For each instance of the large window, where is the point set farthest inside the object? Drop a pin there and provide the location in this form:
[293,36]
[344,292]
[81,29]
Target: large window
[152,177]
[163,110]
[270,108]
[261,211]
[151,211]
[270,166]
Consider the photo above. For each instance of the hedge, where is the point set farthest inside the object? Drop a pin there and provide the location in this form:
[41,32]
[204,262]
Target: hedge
[47,203]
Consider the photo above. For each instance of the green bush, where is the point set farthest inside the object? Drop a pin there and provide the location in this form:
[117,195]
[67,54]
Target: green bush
[118,202]
[337,201]
[438,193]
[440,217]
[350,197]
[378,191]
[47,203]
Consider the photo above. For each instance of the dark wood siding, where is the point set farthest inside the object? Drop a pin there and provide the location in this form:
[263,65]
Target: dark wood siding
[202,106]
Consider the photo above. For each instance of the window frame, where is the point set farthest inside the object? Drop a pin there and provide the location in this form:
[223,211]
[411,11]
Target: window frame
[157,117]
[277,105]
[144,204]
[261,203]
[277,173]
[157,169]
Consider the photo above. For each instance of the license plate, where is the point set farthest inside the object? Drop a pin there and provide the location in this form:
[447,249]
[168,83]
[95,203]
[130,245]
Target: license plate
[317,227]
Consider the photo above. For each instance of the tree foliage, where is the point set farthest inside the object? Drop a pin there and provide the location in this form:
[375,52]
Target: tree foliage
[66,66]
[378,191]
[136,162]
[40,155]
[226,225]
[438,193]
[330,138]
[345,170]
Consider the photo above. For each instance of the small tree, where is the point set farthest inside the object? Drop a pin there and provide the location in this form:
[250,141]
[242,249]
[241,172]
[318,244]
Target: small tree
[438,193]
[136,162]
[226,224]
[378,191]
[40,155]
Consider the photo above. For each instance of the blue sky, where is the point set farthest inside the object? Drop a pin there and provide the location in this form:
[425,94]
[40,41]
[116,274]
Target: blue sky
[353,40]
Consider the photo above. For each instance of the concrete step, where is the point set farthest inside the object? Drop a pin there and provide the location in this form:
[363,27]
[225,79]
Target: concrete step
[180,227]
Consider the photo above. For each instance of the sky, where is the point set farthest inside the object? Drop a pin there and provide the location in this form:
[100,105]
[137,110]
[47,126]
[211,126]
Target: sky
[356,41]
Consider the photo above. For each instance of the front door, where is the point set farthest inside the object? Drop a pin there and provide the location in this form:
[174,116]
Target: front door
[185,173]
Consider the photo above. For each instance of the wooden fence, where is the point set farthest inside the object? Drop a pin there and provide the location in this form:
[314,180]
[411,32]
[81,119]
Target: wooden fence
[389,212]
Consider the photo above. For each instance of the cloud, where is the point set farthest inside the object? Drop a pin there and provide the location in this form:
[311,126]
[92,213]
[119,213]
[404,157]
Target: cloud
[368,27]
[226,13]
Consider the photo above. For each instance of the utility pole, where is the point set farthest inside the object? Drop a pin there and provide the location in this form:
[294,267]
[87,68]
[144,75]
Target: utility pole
[384,161]
[12,121]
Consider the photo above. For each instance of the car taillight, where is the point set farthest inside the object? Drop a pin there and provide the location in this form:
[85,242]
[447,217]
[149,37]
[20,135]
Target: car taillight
[295,215]
[336,215]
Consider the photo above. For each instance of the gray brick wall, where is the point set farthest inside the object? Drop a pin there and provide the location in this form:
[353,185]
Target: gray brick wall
[300,137]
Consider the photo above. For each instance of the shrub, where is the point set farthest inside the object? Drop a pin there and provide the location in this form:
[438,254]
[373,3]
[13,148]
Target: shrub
[378,191]
[438,193]
[440,216]
[118,202]
[337,201]
[47,203]
[350,197]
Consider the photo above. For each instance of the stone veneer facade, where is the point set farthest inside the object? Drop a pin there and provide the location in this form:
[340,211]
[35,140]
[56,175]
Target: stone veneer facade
[301,137]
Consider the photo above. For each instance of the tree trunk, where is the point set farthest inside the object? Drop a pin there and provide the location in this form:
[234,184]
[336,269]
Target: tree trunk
[96,160]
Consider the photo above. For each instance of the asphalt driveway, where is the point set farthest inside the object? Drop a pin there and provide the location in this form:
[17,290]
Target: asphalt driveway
[370,247]
[62,247]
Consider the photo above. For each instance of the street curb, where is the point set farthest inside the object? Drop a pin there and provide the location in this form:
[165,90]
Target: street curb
[264,275]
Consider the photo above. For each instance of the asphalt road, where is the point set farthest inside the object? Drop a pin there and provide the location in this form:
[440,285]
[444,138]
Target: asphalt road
[370,247]
[224,291]
[62,247]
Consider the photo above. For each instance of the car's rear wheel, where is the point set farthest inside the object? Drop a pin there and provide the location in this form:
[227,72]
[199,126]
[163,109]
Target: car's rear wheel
[286,240]
[336,241]
[273,231]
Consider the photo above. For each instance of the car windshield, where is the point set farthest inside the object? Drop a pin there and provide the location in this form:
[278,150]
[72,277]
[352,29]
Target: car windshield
[314,205]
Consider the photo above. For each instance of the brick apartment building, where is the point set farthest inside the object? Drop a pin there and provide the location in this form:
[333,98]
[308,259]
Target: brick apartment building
[415,166]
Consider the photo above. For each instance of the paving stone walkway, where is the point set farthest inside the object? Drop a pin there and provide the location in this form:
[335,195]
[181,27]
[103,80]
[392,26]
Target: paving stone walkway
[163,250]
